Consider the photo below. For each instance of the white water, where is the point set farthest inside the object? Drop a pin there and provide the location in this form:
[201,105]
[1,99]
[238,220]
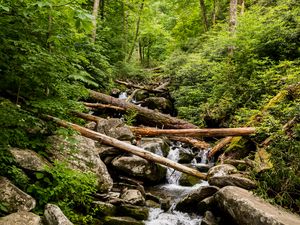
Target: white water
[123,95]
[173,217]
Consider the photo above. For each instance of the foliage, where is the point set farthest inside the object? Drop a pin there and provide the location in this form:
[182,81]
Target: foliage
[61,185]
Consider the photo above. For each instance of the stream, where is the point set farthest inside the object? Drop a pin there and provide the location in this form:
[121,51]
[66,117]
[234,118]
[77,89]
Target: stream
[173,191]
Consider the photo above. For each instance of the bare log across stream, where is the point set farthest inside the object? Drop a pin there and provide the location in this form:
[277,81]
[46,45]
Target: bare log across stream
[149,117]
[128,148]
[194,132]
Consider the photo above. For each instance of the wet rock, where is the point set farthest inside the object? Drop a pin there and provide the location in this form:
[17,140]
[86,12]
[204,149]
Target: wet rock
[188,180]
[221,170]
[206,204]
[152,204]
[133,197]
[107,153]
[136,212]
[115,128]
[139,168]
[202,167]
[21,218]
[28,159]
[209,219]
[247,209]
[232,180]
[104,208]
[91,125]
[141,95]
[188,203]
[115,92]
[54,216]
[158,146]
[185,157]
[81,154]
[109,220]
[162,104]
[14,198]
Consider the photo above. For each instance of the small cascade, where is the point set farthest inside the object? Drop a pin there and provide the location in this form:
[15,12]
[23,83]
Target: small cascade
[176,191]
[123,95]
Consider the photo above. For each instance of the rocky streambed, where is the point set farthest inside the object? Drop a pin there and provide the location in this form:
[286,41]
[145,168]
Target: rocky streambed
[134,191]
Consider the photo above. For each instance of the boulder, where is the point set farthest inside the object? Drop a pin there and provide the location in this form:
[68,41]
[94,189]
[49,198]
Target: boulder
[140,168]
[247,209]
[162,104]
[133,197]
[109,220]
[104,208]
[232,180]
[28,159]
[21,218]
[136,212]
[185,157]
[141,95]
[80,154]
[188,180]
[13,198]
[115,128]
[221,170]
[202,167]
[158,146]
[91,125]
[206,205]
[54,216]
[210,219]
[188,203]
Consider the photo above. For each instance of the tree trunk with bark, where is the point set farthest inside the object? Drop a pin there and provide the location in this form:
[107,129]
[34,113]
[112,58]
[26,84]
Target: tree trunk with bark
[204,16]
[128,148]
[94,20]
[148,116]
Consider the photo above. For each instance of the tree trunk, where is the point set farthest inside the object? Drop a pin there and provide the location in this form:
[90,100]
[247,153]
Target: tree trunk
[94,20]
[242,4]
[214,13]
[149,117]
[193,142]
[204,17]
[128,148]
[153,90]
[233,16]
[194,132]
[102,106]
[102,5]
[136,32]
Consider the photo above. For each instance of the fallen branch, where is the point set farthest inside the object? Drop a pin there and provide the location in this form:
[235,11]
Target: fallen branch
[128,147]
[191,141]
[149,117]
[194,132]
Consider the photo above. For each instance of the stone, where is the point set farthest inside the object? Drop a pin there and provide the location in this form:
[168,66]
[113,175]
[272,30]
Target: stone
[162,104]
[109,220]
[21,218]
[141,95]
[202,167]
[140,168]
[206,205]
[188,202]
[91,125]
[115,128]
[188,180]
[28,159]
[104,208]
[209,219]
[80,154]
[13,198]
[247,209]
[185,157]
[158,146]
[54,216]
[232,180]
[133,197]
[221,170]
[152,204]
[136,212]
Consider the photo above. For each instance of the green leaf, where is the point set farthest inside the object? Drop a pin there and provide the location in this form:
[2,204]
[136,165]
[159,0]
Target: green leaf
[39,175]
[5,8]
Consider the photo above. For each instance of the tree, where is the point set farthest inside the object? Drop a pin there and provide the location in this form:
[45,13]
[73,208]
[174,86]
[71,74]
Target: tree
[95,15]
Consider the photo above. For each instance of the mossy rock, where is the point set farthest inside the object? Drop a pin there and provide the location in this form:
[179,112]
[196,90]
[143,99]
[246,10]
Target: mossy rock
[104,209]
[188,180]
[136,212]
[110,220]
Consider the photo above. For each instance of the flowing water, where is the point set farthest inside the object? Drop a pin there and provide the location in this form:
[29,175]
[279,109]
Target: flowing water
[175,191]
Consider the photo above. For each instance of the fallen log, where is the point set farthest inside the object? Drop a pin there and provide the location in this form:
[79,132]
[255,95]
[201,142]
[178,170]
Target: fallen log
[194,132]
[102,106]
[127,84]
[128,147]
[149,117]
[191,141]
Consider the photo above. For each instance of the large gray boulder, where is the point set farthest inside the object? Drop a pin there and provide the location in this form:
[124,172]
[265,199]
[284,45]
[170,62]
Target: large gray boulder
[80,154]
[54,216]
[28,159]
[139,168]
[13,198]
[247,209]
[158,146]
[221,170]
[21,218]
[115,128]
[189,202]
[232,180]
